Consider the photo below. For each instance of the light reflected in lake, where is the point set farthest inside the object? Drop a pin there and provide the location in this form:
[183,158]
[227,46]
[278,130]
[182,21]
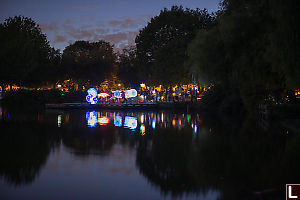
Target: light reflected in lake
[142,155]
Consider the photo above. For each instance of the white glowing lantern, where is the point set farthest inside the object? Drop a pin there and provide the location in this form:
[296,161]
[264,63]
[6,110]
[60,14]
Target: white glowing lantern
[130,93]
[92,96]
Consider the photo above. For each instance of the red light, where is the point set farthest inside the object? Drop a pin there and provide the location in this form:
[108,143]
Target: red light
[103,95]
[103,121]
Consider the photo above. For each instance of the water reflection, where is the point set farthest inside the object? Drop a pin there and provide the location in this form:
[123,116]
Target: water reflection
[118,121]
[23,150]
[182,155]
[102,121]
[58,120]
[91,118]
[134,120]
[130,122]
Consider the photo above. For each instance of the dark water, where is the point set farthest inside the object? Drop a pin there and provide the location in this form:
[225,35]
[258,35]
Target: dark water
[143,155]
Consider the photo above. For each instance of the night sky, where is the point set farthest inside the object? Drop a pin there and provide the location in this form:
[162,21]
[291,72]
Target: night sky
[116,21]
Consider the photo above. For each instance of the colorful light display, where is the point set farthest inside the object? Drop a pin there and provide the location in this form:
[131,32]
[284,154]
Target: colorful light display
[118,121]
[103,95]
[130,122]
[91,118]
[92,96]
[118,94]
[153,124]
[103,120]
[143,129]
[130,93]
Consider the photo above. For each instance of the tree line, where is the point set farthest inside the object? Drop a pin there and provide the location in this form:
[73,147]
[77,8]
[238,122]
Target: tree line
[246,47]
[252,49]
[26,58]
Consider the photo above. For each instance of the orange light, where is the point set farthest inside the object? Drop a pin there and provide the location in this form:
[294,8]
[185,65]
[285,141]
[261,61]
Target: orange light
[103,95]
[173,122]
[103,121]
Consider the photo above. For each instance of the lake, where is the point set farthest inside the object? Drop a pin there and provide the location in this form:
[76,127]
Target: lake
[90,154]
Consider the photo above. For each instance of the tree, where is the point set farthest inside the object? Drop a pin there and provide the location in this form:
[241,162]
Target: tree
[128,70]
[88,61]
[161,45]
[243,51]
[26,57]
[283,50]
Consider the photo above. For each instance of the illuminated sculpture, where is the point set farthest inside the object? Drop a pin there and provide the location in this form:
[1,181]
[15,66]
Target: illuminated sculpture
[92,96]
[130,93]
[118,94]
[103,95]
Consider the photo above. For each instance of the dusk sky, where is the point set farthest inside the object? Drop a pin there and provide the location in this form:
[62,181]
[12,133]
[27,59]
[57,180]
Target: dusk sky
[116,21]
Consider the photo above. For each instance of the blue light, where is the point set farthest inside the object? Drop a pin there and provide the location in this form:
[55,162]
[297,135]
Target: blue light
[153,124]
[130,122]
[92,96]
[118,121]
[91,118]
[118,94]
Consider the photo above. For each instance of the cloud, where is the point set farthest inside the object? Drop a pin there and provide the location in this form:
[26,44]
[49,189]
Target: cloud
[59,39]
[53,26]
[115,22]
[121,32]
[101,30]
[82,34]
[128,22]
[115,37]
[85,26]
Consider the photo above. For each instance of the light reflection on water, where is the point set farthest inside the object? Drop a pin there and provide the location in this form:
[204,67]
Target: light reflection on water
[139,120]
[118,121]
[130,122]
[188,156]
[91,118]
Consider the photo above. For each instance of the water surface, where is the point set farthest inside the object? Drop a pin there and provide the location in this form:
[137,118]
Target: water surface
[143,155]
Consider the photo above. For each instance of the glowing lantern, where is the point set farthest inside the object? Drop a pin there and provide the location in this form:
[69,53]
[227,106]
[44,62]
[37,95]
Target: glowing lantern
[118,94]
[92,96]
[130,93]
[103,95]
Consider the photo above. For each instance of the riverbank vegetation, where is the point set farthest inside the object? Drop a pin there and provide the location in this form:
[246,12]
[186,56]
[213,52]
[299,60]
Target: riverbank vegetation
[247,52]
